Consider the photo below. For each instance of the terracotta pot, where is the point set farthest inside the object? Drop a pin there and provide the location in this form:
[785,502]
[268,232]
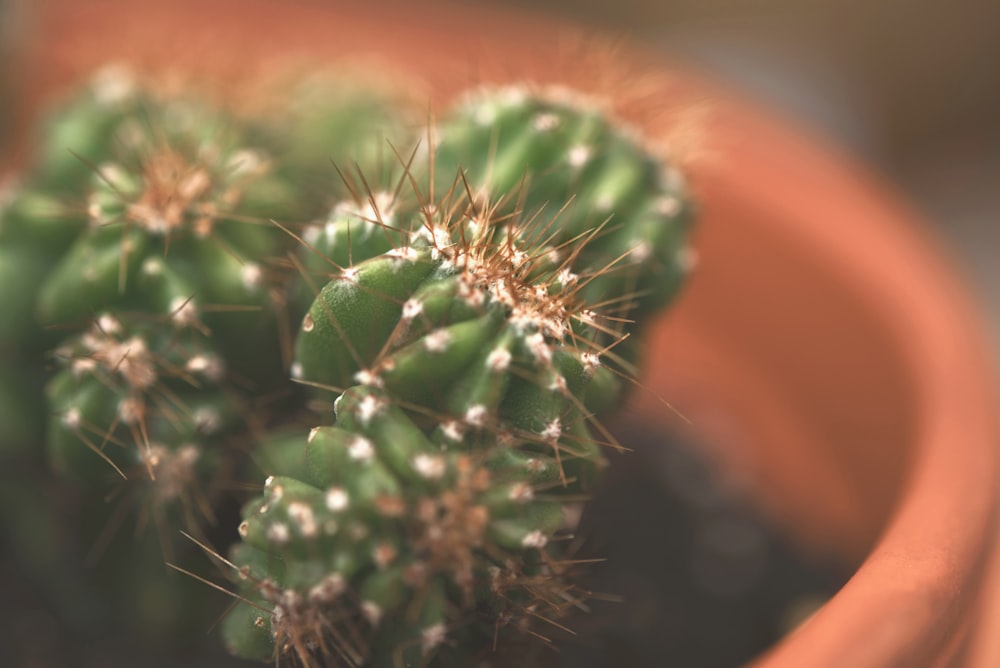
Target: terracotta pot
[822,347]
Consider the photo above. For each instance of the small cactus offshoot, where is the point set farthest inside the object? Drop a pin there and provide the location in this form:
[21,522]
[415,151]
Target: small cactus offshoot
[417,373]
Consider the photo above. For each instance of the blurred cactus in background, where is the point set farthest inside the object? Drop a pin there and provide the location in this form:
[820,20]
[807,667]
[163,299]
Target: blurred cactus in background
[397,341]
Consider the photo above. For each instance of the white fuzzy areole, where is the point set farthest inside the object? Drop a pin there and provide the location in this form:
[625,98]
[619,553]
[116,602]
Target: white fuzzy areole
[337,499]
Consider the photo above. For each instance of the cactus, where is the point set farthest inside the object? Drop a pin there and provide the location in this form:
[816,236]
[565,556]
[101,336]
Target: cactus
[470,318]
[155,280]
[144,306]
[556,156]
[400,520]
[464,339]
[146,399]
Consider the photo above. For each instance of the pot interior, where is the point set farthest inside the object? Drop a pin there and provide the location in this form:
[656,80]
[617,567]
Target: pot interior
[782,366]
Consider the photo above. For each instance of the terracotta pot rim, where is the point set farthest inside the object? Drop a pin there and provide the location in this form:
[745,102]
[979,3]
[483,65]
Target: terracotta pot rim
[920,567]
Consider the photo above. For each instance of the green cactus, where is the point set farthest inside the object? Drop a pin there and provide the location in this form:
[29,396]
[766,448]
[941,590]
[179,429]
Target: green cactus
[469,343]
[451,286]
[142,274]
[470,319]
[556,156]
[144,293]
[145,398]
[177,225]
[386,532]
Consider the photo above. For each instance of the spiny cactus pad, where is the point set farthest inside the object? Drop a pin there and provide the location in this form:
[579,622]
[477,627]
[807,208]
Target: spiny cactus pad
[145,397]
[470,310]
[192,198]
[557,156]
[390,537]
[478,371]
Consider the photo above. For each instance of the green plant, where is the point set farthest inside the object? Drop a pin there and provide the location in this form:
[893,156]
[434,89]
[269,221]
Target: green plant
[467,311]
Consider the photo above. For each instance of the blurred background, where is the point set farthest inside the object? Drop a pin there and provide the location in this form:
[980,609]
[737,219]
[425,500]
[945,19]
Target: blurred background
[910,87]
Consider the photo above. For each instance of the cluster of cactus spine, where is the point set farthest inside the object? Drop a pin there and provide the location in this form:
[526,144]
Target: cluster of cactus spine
[471,322]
